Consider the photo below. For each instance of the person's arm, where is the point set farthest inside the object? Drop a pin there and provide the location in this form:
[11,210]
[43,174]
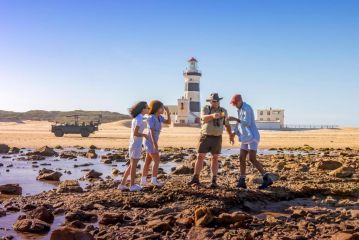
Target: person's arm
[155,145]
[228,128]
[206,117]
[168,120]
[137,134]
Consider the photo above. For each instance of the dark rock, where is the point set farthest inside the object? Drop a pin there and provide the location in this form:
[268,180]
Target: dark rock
[111,218]
[81,216]
[328,165]
[4,148]
[231,218]
[69,186]
[91,154]
[31,226]
[11,189]
[159,225]
[93,174]
[68,233]
[343,172]
[47,174]
[42,214]
[185,222]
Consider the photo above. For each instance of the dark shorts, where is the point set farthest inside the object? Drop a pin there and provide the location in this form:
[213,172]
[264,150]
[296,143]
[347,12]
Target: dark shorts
[212,144]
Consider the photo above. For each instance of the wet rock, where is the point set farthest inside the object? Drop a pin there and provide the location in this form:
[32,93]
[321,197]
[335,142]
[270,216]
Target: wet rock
[48,174]
[14,150]
[109,218]
[328,165]
[93,147]
[44,151]
[159,225]
[77,224]
[115,171]
[91,154]
[343,172]
[93,174]
[11,189]
[41,213]
[203,217]
[68,233]
[69,186]
[31,226]
[183,170]
[68,154]
[2,212]
[4,148]
[81,216]
[106,161]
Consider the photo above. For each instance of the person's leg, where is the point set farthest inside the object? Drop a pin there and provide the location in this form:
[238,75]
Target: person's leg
[156,163]
[156,159]
[145,169]
[254,161]
[242,166]
[126,174]
[197,169]
[267,181]
[214,170]
[133,170]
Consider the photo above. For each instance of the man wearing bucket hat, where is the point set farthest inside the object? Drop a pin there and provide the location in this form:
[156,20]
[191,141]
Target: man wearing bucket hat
[249,137]
[213,118]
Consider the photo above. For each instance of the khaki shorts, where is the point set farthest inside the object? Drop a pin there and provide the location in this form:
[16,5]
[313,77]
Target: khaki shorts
[212,144]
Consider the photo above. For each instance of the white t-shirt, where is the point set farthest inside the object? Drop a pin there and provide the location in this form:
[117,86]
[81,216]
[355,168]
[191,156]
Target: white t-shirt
[137,122]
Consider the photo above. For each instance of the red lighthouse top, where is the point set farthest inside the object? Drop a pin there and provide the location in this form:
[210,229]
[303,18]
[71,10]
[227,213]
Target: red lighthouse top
[192,59]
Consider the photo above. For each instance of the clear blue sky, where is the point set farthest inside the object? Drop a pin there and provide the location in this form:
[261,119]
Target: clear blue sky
[302,56]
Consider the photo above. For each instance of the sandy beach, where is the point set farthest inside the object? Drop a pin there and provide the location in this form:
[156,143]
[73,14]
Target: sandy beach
[32,134]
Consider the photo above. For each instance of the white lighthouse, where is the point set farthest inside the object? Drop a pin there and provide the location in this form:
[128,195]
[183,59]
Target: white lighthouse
[188,109]
[192,91]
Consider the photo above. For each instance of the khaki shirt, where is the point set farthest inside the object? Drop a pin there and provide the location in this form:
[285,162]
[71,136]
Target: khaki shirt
[213,127]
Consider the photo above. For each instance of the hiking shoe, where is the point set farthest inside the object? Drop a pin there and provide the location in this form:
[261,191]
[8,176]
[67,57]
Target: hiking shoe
[242,183]
[194,181]
[135,188]
[122,187]
[267,181]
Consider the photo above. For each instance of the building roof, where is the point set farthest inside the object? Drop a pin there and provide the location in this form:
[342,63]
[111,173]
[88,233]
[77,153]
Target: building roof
[192,59]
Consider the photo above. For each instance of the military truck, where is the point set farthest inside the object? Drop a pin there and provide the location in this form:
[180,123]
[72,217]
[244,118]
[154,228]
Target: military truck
[85,129]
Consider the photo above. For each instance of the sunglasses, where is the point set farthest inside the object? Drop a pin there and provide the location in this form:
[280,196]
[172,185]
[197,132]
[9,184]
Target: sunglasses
[214,101]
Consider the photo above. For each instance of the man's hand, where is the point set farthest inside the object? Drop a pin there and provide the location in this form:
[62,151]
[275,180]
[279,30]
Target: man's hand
[145,136]
[216,115]
[231,138]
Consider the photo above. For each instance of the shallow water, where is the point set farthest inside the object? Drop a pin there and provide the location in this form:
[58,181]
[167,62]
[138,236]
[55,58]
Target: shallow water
[236,151]
[25,174]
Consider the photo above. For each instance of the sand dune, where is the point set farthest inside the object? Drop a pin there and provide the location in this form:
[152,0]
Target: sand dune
[116,134]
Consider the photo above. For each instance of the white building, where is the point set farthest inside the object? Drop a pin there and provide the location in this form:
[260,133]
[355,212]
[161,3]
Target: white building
[270,118]
[188,108]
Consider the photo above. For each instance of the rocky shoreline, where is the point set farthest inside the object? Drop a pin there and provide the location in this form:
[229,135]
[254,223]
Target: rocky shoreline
[315,196]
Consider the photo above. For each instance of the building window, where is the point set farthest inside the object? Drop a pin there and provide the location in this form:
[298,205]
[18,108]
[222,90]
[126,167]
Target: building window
[268,113]
[261,113]
[277,119]
[268,119]
[182,106]
[261,119]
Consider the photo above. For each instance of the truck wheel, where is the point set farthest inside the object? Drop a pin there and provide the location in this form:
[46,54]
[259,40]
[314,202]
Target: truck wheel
[85,133]
[59,133]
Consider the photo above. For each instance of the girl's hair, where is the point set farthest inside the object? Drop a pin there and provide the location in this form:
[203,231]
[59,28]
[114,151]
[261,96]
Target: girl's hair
[154,106]
[137,108]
